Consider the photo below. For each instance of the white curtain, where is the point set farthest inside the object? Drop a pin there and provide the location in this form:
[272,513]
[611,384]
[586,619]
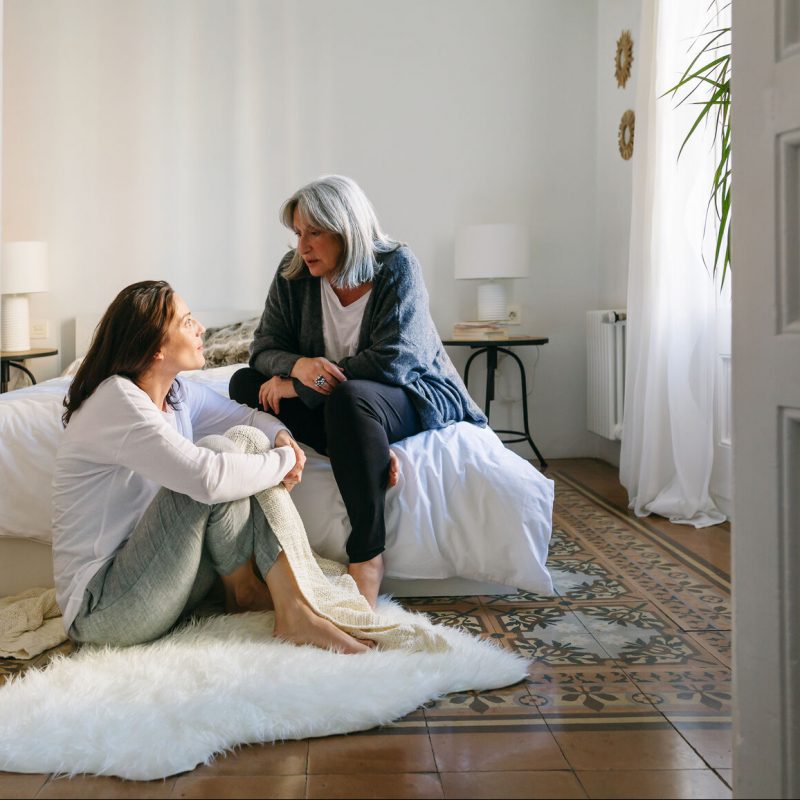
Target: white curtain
[667,443]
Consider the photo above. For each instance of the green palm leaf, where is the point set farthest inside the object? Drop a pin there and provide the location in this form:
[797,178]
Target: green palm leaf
[711,81]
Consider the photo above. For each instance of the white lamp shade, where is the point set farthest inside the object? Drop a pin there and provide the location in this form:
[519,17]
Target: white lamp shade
[492,251]
[24,268]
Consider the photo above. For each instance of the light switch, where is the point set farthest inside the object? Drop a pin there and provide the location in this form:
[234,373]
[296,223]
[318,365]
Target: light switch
[40,329]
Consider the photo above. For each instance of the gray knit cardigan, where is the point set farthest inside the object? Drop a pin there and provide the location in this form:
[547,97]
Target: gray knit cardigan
[397,344]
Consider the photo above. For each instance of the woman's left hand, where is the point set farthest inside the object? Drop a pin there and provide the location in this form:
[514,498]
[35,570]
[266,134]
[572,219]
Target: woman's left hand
[273,391]
[295,474]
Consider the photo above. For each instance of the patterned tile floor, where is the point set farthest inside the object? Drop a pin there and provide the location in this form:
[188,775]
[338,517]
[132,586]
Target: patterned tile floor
[628,695]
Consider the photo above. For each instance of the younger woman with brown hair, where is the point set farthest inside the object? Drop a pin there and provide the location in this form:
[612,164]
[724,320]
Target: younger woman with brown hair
[143,518]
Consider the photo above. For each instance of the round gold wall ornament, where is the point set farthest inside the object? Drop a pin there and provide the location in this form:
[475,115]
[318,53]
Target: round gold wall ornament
[623,59]
[625,137]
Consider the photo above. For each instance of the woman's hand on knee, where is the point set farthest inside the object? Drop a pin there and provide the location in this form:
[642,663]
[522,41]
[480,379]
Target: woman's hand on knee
[318,374]
[273,391]
[295,474]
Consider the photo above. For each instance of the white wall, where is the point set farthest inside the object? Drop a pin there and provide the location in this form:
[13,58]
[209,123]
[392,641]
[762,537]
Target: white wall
[613,173]
[157,139]
[140,146]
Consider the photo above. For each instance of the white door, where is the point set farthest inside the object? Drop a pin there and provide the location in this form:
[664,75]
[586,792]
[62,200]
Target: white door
[766,397]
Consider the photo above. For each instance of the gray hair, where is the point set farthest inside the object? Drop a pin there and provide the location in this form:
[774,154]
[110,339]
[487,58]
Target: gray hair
[338,204]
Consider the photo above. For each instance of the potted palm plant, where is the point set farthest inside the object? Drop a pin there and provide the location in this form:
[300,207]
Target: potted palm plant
[706,83]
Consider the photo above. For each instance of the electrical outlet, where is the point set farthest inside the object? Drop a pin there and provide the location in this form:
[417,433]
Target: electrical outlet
[514,314]
[40,329]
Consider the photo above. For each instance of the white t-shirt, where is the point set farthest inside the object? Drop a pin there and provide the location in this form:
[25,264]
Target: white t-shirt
[119,449]
[340,324]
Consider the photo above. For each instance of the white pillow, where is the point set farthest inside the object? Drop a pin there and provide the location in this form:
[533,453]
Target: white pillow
[465,505]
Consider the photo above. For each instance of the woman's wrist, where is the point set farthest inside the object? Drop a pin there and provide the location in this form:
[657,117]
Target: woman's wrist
[283,438]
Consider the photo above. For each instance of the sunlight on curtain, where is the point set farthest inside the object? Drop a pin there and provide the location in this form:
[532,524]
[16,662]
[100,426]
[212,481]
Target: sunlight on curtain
[668,430]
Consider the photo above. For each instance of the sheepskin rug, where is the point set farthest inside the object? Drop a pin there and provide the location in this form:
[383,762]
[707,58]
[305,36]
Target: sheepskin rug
[154,710]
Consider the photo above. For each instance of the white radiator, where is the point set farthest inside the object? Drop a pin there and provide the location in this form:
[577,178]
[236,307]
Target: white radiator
[605,384]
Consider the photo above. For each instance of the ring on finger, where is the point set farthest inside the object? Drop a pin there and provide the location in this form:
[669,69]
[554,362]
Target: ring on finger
[320,381]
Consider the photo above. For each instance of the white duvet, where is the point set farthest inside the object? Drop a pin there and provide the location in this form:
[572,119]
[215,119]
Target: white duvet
[465,505]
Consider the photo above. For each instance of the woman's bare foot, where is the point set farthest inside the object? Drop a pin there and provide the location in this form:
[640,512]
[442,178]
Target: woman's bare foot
[296,621]
[394,469]
[368,576]
[298,624]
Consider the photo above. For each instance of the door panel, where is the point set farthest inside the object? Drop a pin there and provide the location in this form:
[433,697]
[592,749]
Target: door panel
[766,397]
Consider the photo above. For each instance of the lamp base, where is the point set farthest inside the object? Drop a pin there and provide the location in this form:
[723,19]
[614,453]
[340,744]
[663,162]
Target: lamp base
[492,304]
[15,334]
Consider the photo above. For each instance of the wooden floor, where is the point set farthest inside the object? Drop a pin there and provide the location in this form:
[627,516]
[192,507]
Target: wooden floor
[713,544]
[628,694]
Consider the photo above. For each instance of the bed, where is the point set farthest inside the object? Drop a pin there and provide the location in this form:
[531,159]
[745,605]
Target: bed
[468,516]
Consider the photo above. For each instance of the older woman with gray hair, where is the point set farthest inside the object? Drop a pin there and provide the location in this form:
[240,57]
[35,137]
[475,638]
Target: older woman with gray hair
[347,356]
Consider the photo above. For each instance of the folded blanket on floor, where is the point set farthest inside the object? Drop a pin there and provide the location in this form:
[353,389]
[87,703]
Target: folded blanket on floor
[325,584]
[30,623]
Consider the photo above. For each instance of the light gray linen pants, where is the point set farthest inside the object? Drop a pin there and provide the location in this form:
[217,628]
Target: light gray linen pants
[170,562]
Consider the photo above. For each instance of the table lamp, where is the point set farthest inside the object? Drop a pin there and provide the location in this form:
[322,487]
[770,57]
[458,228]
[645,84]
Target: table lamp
[22,272]
[491,253]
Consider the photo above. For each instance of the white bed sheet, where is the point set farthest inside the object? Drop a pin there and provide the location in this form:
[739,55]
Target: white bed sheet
[465,505]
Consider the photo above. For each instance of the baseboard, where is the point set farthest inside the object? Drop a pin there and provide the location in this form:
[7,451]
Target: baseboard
[441,587]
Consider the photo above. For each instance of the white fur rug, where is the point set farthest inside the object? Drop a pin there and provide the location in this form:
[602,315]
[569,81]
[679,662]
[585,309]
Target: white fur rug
[154,710]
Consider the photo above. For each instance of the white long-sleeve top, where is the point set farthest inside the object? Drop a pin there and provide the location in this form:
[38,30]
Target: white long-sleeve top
[119,449]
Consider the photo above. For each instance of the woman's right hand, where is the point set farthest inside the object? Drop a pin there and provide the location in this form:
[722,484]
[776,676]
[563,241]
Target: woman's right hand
[318,374]
[273,391]
[295,474]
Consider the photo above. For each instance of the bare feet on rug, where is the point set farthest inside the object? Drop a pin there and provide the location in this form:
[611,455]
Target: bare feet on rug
[394,469]
[244,591]
[368,576]
[297,622]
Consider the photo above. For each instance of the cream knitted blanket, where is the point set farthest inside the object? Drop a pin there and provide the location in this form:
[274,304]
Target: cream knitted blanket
[325,584]
[30,623]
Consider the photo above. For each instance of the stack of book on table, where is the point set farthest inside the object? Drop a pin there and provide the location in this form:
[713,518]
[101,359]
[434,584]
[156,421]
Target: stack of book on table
[480,330]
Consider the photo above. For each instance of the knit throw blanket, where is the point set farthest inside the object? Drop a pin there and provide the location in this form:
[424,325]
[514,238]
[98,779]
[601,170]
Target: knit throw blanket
[325,584]
[30,623]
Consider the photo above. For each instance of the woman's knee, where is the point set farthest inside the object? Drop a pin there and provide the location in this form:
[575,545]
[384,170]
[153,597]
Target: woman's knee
[347,400]
[236,385]
[244,385]
[218,443]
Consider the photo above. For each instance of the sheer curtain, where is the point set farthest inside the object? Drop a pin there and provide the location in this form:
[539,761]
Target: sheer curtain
[668,429]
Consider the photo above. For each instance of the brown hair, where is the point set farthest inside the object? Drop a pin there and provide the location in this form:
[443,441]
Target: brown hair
[124,343]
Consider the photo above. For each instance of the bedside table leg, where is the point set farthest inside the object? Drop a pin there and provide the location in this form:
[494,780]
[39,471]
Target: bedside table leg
[491,367]
[18,365]
[5,373]
[524,383]
[467,366]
